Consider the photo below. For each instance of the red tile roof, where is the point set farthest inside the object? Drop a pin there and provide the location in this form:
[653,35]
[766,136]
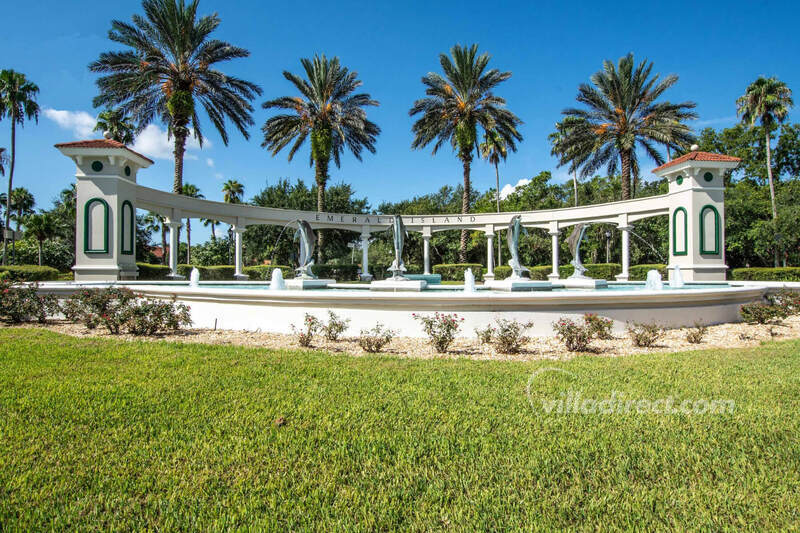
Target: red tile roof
[100,143]
[699,156]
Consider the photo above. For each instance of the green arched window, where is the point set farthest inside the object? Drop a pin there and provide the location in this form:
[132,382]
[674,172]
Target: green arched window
[95,226]
[709,230]
[680,237]
[127,224]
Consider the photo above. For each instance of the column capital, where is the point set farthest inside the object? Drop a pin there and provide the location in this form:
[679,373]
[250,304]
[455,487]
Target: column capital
[172,224]
[554,233]
[238,229]
[624,228]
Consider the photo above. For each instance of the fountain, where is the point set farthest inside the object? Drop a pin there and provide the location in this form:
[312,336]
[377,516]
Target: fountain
[653,281]
[305,277]
[398,282]
[194,278]
[516,282]
[579,279]
[676,280]
[277,283]
[469,280]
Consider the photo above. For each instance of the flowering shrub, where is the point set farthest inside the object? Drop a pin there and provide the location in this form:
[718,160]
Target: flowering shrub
[485,335]
[373,340]
[440,328]
[762,313]
[335,326]
[147,317]
[788,301]
[508,337]
[576,337]
[22,303]
[645,335]
[305,333]
[599,327]
[696,334]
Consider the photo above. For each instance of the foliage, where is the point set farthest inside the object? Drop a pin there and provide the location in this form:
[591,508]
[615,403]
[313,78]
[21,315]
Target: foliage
[96,307]
[212,252]
[599,327]
[485,334]
[20,303]
[209,273]
[441,329]
[305,332]
[56,253]
[152,272]
[576,337]
[607,271]
[30,273]
[455,272]
[509,335]
[644,335]
[375,339]
[766,274]
[696,334]
[762,313]
[335,327]
[116,124]
[148,317]
[337,272]
[639,272]
[233,191]
[264,272]
[788,300]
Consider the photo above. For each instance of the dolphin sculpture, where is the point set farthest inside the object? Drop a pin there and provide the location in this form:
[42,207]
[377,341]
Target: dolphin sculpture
[574,243]
[308,241]
[514,231]
[399,235]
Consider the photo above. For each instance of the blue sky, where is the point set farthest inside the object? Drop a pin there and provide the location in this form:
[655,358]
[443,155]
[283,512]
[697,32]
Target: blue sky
[716,48]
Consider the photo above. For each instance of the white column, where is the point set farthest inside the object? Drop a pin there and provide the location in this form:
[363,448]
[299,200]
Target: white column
[238,274]
[426,254]
[554,238]
[623,276]
[174,249]
[365,275]
[489,256]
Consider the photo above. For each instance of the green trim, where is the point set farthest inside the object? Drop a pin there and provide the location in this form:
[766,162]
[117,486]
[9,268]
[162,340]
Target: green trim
[675,232]
[122,228]
[703,248]
[708,176]
[86,207]
[97,166]
[679,180]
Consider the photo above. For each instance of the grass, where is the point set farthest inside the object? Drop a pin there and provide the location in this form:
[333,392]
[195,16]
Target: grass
[98,434]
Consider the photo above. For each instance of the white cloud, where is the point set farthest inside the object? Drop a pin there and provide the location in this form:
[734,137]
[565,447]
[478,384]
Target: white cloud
[210,162]
[218,175]
[509,189]
[80,122]
[153,142]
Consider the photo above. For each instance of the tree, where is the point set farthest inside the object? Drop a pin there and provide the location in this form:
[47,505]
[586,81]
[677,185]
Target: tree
[622,115]
[18,103]
[117,124]
[456,104]
[493,149]
[22,203]
[3,161]
[192,192]
[766,100]
[41,227]
[167,71]
[232,192]
[329,113]
[213,223]
[156,223]
[572,157]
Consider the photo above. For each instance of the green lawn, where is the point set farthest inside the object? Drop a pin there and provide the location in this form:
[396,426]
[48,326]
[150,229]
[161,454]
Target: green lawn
[96,434]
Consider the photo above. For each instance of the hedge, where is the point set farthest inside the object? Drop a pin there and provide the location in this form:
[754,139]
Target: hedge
[639,272]
[381,271]
[455,272]
[30,273]
[264,272]
[148,271]
[606,271]
[337,272]
[209,273]
[766,274]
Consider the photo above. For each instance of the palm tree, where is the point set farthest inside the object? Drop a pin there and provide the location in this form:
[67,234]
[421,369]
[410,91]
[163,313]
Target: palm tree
[193,192]
[155,223]
[622,115]
[167,72]
[457,103]
[41,227]
[766,100]
[18,103]
[493,149]
[329,113]
[3,161]
[557,149]
[22,203]
[232,192]
[116,124]
[213,223]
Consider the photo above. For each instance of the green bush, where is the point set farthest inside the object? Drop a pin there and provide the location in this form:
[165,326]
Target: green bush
[149,271]
[30,273]
[337,272]
[21,303]
[264,272]
[57,253]
[766,274]
[639,272]
[606,271]
[455,271]
[209,273]
[381,271]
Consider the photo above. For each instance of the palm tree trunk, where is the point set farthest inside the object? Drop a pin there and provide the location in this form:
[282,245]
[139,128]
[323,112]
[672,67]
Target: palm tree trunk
[40,253]
[321,171]
[180,150]
[163,243]
[188,242]
[213,234]
[467,160]
[10,181]
[771,188]
[625,158]
[575,185]
[497,197]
